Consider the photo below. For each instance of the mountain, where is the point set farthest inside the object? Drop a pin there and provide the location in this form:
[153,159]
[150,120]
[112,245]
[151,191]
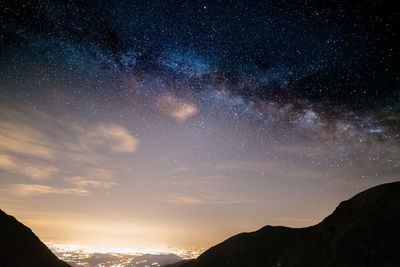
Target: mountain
[77,258]
[19,246]
[177,264]
[152,260]
[362,231]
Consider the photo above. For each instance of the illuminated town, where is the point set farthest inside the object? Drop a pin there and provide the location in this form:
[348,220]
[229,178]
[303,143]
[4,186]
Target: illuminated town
[86,256]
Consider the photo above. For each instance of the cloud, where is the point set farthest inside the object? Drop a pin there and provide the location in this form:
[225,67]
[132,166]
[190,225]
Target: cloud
[206,199]
[181,169]
[27,133]
[37,145]
[107,136]
[185,200]
[27,190]
[177,108]
[116,138]
[23,139]
[77,186]
[80,182]
[36,172]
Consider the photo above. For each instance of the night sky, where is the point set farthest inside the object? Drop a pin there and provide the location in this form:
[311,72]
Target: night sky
[180,123]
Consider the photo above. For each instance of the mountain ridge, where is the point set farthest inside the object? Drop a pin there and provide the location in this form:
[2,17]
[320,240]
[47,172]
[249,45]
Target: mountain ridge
[19,246]
[362,231]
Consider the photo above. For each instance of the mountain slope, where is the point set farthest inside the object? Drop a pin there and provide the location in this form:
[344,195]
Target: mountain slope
[19,246]
[362,231]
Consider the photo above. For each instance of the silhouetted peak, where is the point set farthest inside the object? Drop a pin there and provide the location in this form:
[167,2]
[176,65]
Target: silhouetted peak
[19,246]
[362,231]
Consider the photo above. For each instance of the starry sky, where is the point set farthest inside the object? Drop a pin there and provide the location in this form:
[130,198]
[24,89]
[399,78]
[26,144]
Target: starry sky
[181,123]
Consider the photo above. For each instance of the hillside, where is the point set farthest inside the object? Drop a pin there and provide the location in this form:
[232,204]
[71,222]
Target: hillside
[362,231]
[19,246]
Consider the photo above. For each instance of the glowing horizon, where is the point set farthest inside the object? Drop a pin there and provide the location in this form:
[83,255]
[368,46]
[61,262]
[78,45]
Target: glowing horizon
[163,124]
[185,254]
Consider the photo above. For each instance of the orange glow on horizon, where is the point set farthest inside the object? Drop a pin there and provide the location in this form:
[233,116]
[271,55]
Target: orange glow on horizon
[183,253]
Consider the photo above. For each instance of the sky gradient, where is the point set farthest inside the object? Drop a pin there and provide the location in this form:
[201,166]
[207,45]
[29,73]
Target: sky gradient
[181,124]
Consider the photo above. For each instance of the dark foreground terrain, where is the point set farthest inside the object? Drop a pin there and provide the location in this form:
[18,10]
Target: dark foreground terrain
[362,231]
[20,247]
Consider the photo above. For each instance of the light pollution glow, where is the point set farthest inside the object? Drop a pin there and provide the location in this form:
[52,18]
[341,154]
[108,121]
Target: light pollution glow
[146,124]
[65,248]
[131,183]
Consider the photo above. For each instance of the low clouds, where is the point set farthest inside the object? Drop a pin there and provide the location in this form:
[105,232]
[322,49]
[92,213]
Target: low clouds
[17,137]
[201,198]
[15,165]
[76,186]
[111,136]
[177,108]
[27,190]
[185,200]
[81,182]
[59,157]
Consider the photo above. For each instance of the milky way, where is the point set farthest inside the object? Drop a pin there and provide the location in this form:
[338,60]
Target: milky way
[188,121]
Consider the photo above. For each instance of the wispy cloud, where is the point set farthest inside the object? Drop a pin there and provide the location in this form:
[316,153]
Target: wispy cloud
[177,108]
[114,137]
[36,172]
[206,199]
[27,190]
[185,200]
[19,138]
[81,182]
[38,146]
[77,186]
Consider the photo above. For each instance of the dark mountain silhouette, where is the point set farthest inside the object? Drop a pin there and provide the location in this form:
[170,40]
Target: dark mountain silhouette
[177,264]
[362,231]
[162,260]
[19,246]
